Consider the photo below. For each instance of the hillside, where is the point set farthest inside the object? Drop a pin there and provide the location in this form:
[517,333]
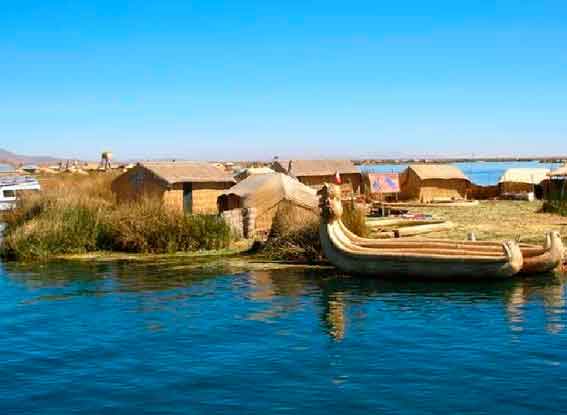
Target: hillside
[17,159]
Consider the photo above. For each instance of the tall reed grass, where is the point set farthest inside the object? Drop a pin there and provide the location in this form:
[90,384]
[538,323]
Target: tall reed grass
[79,215]
[302,243]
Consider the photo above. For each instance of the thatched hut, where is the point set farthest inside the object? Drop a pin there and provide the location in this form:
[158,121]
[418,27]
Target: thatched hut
[269,194]
[192,187]
[524,180]
[315,173]
[433,182]
[556,190]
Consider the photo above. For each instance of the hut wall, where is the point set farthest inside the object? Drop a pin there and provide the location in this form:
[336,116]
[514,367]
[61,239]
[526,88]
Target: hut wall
[556,189]
[173,198]
[410,185]
[514,187]
[137,183]
[413,188]
[234,218]
[265,220]
[291,217]
[205,196]
[484,192]
[443,189]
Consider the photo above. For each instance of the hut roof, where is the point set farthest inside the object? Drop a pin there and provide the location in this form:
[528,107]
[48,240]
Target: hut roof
[267,190]
[524,175]
[301,168]
[187,172]
[437,171]
[560,172]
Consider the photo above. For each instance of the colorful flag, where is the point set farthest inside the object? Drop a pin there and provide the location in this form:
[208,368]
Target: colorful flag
[338,179]
[384,182]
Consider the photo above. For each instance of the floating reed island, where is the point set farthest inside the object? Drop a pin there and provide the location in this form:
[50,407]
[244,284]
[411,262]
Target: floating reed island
[171,207]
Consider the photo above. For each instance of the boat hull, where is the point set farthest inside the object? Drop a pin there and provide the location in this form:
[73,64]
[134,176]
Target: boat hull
[385,263]
[536,259]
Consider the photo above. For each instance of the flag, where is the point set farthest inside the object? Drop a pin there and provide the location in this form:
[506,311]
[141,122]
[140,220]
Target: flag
[384,182]
[338,179]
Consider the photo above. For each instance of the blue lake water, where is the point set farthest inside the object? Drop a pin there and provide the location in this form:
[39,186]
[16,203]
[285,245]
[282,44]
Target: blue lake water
[189,338]
[480,173]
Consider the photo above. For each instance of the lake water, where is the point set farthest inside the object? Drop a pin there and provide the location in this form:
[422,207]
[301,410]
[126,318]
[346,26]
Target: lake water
[190,338]
[480,173]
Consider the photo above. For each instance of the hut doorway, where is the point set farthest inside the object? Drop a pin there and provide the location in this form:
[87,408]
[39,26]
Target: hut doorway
[188,198]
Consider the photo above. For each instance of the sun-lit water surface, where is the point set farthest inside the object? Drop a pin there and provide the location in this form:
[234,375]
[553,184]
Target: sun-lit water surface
[178,338]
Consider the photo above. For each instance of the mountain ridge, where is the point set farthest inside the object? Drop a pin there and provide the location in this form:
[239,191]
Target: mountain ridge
[7,157]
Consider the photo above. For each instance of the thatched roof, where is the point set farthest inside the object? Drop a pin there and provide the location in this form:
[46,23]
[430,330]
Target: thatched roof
[560,172]
[267,190]
[437,171]
[524,175]
[187,172]
[301,168]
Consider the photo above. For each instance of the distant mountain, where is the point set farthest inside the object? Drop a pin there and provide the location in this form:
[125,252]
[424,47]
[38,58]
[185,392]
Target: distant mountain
[17,159]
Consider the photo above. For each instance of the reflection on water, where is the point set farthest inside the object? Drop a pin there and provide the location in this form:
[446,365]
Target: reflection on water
[189,334]
[550,292]
[283,289]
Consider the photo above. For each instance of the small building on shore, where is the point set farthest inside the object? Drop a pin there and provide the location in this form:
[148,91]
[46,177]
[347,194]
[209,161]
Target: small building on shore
[268,195]
[434,182]
[315,173]
[524,180]
[191,187]
[556,190]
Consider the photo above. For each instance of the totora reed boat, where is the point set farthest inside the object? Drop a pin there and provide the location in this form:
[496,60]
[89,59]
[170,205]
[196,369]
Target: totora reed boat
[537,259]
[395,258]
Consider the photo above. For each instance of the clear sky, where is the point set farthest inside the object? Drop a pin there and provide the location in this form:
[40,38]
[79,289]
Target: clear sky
[231,79]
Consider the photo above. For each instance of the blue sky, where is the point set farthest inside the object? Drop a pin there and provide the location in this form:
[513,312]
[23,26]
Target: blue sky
[233,79]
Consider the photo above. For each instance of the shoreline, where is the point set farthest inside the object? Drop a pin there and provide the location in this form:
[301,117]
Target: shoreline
[234,257]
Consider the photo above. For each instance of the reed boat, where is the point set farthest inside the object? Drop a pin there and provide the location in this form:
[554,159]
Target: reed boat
[407,227]
[392,259]
[456,203]
[536,259]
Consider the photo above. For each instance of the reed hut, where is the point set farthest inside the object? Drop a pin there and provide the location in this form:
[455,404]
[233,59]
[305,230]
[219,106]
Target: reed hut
[434,182]
[315,173]
[192,187]
[524,180]
[269,194]
[556,190]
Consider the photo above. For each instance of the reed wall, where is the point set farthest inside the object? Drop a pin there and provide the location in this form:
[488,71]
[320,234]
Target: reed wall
[425,191]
